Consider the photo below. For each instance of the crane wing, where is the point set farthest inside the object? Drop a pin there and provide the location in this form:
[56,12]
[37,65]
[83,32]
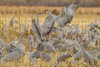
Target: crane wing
[35,28]
[48,24]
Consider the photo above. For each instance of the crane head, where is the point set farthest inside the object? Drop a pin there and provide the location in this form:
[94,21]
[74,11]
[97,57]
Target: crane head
[75,4]
[38,14]
[46,11]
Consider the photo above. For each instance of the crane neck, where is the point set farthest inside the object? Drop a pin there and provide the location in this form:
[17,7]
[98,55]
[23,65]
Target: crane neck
[84,51]
[37,18]
[49,12]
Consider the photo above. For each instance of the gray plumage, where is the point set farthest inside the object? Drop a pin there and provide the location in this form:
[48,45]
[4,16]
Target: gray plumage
[1,53]
[30,41]
[21,47]
[14,49]
[98,55]
[11,22]
[46,48]
[8,45]
[72,47]
[22,39]
[11,56]
[59,46]
[41,55]
[78,55]
[95,60]
[15,54]
[63,57]
[87,57]
[48,25]
[94,53]
[35,28]
[1,42]
[66,14]
[39,28]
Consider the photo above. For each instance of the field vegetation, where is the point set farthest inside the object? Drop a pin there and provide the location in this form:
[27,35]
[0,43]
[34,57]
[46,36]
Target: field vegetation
[83,17]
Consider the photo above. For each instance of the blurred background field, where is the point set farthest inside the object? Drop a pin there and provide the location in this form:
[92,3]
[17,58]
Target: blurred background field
[83,16]
[48,2]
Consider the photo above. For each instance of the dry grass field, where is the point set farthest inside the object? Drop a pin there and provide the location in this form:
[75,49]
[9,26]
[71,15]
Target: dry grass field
[83,17]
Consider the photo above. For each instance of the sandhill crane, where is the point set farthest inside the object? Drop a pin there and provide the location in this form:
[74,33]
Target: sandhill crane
[41,55]
[93,30]
[16,52]
[1,42]
[11,56]
[47,24]
[59,19]
[71,45]
[78,55]
[22,29]
[30,41]
[46,27]
[54,39]
[40,29]
[38,25]
[17,49]
[45,48]
[62,45]
[95,60]
[94,53]
[72,48]
[16,55]
[36,38]
[66,14]
[22,39]
[27,27]
[13,49]
[11,22]
[98,55]
[87,57]
[59,46]
[35,28]
[21,47]
[47,42]
[85,41]
[1,53]
[62,58]
[70,42]
[8,45]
